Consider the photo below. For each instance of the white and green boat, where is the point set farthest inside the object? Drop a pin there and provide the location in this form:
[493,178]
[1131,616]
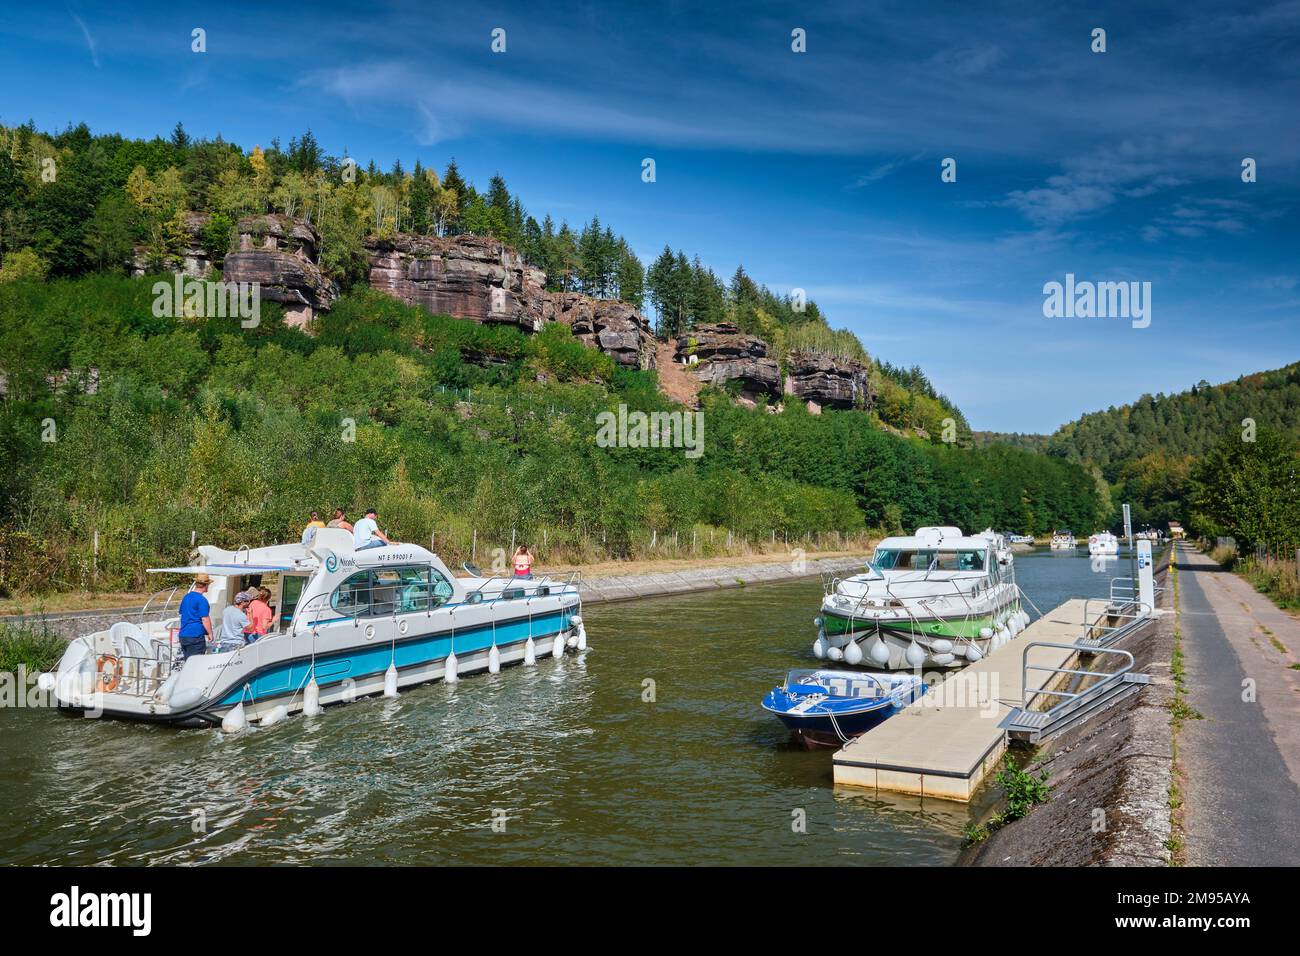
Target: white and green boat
[937,598]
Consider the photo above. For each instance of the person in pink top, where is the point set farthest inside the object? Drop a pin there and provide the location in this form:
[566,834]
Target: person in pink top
[523,562]
[259,615]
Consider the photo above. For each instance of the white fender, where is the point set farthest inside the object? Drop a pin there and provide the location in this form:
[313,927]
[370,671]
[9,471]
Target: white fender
[311,699]
[852,653]
[494,660]
[582,636]
[451,669]
[943,659]
[973,653]
[530,652]
[941,646]
[880,651]
[234,721]
[986,633]
[390,681]
[275,715]
[820,647]
[914,655]
[1001,636]
[557,646]
[835,654]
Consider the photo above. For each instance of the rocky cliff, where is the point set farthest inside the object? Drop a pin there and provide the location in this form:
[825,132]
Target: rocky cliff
[717,354]
[195,260]
[615,328]
[279,253]
[479,278]
[828,382]
[471,277]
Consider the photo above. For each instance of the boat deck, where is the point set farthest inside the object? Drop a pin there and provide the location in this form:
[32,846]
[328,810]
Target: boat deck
[945,743]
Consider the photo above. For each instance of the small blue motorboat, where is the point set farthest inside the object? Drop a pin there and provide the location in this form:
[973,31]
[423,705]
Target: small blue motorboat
[829,708]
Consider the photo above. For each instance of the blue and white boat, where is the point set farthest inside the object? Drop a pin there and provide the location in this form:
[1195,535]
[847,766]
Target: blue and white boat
[830,708]
[348,624]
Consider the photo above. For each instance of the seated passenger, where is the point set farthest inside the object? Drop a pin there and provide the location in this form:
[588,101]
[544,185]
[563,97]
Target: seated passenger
[309,532]
[340,520]
[366,533]
[235,618]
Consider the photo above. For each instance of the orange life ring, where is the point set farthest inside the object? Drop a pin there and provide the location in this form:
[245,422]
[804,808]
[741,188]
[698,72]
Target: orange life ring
[109,669]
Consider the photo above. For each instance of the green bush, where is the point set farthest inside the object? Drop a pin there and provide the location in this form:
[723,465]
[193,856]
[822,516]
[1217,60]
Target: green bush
[35,651]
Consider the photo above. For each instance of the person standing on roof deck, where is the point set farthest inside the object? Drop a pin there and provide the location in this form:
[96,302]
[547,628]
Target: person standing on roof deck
[196,618]
[366,533]
[235,618]
[340,520]
[523,562]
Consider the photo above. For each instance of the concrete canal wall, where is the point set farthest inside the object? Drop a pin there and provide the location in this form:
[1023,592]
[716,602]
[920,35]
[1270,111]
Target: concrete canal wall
[1110,776]
[596,589]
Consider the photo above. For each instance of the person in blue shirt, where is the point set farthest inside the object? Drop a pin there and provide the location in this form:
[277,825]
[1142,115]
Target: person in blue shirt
[196,618]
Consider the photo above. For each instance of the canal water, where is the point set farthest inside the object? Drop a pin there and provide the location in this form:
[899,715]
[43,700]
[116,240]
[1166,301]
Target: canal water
[650,748]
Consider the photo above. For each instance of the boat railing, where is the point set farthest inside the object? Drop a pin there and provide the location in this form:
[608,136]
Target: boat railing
[299,613]
[513,588]
[142,676]
[170,592]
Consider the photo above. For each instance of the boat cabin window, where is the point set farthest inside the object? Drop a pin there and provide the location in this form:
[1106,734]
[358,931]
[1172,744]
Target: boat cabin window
[889,559]
[290,592]
[383,592]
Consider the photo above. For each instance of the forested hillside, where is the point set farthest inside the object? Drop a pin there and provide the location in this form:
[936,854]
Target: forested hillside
[1197,457]
[145,429]
[1187,423]
[74,202]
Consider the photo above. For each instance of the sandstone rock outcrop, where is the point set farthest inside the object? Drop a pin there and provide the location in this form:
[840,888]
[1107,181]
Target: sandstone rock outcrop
[717,354]
[616,328]
[196,261]
[279,253]
[470,277]
[827,381]
[480,278]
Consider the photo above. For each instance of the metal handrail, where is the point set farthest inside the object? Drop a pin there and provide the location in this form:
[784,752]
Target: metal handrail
[138,680]
[1107,677]
[536,583]
[301,608]
[171,593]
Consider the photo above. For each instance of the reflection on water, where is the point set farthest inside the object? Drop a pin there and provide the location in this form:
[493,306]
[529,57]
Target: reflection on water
[650,748]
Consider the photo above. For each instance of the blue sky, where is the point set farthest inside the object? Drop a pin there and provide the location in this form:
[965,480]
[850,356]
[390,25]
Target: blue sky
[818,170]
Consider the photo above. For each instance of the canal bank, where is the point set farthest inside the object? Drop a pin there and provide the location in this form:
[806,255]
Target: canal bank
[1111,778]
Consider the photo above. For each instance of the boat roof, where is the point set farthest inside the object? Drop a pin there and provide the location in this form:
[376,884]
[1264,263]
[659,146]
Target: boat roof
[913,543]
[296,557]
[226,570]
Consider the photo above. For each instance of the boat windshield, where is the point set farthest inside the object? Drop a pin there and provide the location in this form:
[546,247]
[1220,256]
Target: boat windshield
[924,560]
[834,683]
